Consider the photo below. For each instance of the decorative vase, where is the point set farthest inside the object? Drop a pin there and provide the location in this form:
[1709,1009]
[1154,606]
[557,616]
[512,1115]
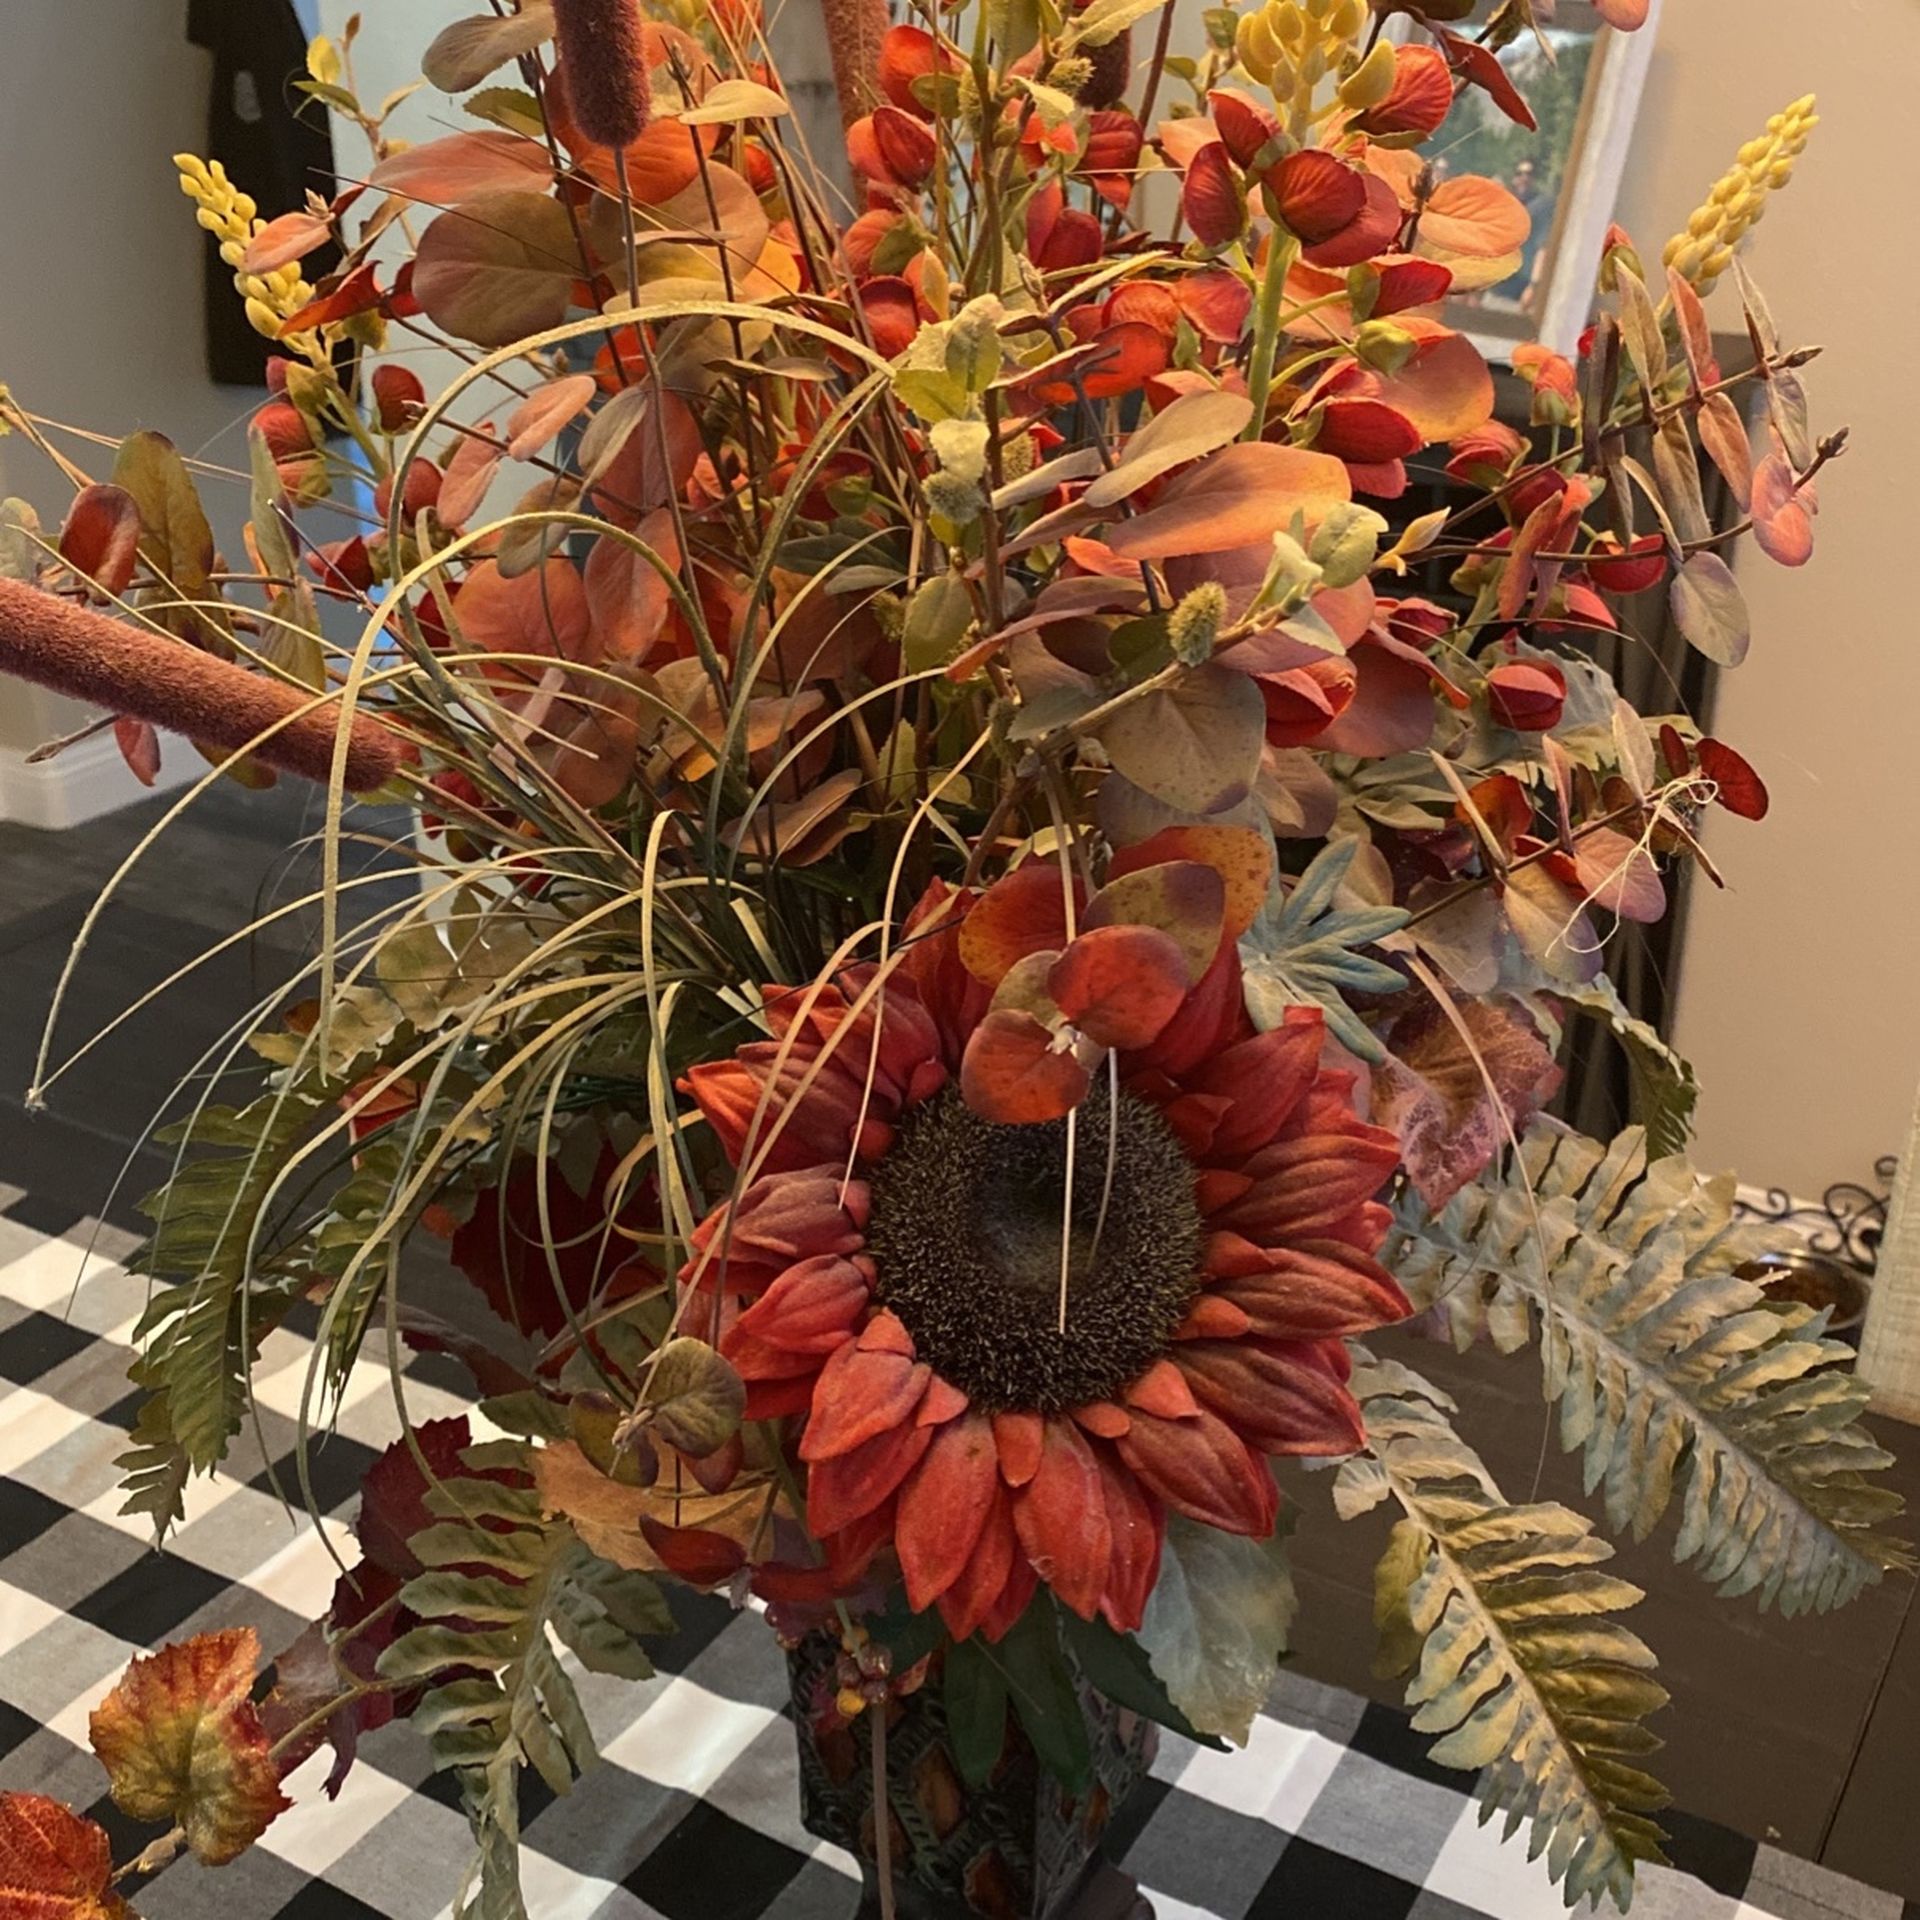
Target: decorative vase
[1018,1847]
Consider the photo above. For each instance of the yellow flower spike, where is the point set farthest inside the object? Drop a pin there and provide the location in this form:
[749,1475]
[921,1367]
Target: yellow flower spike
[233,217]
[1371,81]
[1703,250]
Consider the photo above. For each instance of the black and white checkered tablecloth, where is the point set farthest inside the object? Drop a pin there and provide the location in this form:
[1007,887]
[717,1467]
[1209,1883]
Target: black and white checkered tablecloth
[1332,1814]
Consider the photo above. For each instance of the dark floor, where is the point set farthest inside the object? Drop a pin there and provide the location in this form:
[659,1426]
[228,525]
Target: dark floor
[1801,1732]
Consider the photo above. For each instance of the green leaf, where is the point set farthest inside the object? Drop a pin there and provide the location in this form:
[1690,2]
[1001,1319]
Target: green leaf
[1192,425]
[1104,20]
[1040,1684]
[1665,1091]
[909,1637]
[939,617]
[695,1398]
[1196,745]
[1499,1615]
[463,53]
[975,1694]
[1305,953]
[1117,1666]
[1217,1623]
[1674,1376]
[735,99]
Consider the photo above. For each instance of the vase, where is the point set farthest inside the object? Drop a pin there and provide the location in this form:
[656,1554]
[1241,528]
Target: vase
[1018,1847]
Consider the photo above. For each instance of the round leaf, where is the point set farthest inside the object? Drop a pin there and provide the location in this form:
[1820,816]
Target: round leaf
[1120,985]
[498,269]
[1196,745]
[1013,1075]
[695,1397]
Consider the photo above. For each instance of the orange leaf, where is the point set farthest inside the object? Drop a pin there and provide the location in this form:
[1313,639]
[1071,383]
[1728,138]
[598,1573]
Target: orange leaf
[1012,1074]
[1446,389]
[442,173]
[546,411]
[1119,985]
[625,593]
[180,1741]
[1022,914]
[53,1864]
[1181,898]
[1235,498]
[1240,856]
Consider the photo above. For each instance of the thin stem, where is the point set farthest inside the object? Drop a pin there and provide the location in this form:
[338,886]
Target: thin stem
[1282,251]
[882,1809]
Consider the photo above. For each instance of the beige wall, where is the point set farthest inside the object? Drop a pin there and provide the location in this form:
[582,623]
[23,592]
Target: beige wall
[1798,1003]
[100,299]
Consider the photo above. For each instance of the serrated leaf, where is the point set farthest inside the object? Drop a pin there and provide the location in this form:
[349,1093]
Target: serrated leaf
[1674,1377]
[1497,1613]
[54,1865]
[181,1742]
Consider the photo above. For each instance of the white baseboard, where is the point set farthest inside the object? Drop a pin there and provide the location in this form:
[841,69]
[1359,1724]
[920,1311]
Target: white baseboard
[86,781]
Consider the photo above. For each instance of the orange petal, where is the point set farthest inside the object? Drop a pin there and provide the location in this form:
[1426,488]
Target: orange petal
[944,1508]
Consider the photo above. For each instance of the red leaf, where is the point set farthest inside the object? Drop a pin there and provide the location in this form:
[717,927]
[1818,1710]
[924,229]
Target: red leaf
[499,268]
[53,1864]
[139,747]
[359,292]
[1119,985]
[700,1558]
[1316,194]
[101,538]
[1012,1074]
[1619,874]
[469,474]
[1481,67]
[1742,791]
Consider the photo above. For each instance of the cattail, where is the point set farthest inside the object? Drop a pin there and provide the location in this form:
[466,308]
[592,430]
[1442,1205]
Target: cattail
[855,29]
[132,671]
[603,54]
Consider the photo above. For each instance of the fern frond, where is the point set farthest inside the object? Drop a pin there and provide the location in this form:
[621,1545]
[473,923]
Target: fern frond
[501,1582]
[1500,1616]
[1675,1376]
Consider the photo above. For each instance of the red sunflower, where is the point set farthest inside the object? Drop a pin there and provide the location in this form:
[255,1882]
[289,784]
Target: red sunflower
[892,1269]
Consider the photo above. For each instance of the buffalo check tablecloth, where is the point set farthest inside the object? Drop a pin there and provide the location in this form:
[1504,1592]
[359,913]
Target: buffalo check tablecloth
[1332,1813]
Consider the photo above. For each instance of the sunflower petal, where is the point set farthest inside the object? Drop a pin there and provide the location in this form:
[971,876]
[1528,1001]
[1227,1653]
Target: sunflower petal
[976,1591]
[1200,1467]
[1282,1399]
[945,1506]
[861,1394]
[1061,1518]
[1138,1525]
[1019,1437]
[810,1309]
[851,1485]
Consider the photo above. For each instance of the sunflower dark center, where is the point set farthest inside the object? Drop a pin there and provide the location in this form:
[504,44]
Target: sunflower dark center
[965,1236]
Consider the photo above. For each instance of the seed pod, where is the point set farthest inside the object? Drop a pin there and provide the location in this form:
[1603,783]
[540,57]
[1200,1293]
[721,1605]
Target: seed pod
[604,57]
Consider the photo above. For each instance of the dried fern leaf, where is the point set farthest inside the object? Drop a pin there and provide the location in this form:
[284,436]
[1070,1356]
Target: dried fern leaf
[1674,1377]
[503,1581]
[1501,1615]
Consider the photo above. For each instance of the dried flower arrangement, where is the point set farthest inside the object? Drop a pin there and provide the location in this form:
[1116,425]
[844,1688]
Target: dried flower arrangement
[974,933]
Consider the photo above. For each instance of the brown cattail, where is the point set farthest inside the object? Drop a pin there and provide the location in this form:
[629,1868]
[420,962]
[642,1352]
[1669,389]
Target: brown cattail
[131,670]
[603,56]
[1106,85]
[855,29]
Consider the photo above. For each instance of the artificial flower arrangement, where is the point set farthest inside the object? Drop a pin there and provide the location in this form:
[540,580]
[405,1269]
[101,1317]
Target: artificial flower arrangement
[976,933]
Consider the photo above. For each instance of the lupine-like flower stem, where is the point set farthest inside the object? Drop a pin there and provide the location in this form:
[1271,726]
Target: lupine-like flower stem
[73,650]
